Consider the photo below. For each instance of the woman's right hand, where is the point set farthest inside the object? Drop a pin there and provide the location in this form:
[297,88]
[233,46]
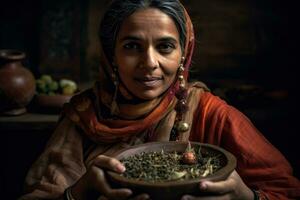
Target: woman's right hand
[94,181]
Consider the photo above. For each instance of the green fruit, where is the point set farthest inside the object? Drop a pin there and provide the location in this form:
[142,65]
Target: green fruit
[68,90]
[66,82]
[53,86]
[41,86]
[46,78]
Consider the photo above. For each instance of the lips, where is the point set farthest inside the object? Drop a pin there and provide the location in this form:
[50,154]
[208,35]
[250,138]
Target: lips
[149,81]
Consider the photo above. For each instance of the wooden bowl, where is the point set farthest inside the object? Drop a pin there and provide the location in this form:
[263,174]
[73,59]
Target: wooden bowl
[51,103]
[53,100]
[172,190]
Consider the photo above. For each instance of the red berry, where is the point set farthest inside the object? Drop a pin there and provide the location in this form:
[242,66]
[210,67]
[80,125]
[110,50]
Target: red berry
[189,158]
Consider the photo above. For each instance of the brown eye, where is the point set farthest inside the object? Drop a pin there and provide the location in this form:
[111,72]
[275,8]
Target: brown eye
[132,46]
[166,47]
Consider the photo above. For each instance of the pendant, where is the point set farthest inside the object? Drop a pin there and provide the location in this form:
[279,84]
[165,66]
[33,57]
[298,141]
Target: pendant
[182,126]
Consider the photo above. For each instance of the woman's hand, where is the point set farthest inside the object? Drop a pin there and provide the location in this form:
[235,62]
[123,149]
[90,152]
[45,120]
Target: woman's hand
[94,181]
[232,188]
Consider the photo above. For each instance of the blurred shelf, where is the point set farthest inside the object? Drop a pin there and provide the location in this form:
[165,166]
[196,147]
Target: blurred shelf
[28,121]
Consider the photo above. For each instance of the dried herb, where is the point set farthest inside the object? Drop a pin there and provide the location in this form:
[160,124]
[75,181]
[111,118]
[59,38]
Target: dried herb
[168,166]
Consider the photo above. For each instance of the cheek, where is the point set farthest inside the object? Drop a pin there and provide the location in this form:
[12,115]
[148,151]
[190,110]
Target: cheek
[170,64]
[125,64]
[170,69]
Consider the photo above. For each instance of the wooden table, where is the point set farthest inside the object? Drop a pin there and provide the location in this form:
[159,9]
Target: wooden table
[28,121]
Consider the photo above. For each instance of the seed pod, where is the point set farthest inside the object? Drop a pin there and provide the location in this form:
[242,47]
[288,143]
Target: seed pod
[189,156]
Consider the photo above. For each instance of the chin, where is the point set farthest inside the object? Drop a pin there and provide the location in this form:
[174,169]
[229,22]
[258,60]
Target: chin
[148,95]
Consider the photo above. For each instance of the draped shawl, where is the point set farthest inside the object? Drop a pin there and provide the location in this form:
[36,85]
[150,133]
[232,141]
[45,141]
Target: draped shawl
[89,109]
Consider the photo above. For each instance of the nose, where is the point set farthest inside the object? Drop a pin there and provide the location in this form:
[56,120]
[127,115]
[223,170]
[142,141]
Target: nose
[149,60]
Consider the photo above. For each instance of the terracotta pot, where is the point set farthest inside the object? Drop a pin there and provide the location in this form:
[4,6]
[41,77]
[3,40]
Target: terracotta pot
[17,84]
[172,190]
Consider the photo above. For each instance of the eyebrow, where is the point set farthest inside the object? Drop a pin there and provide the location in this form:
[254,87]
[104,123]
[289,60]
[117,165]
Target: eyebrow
[168,39]
[163,39]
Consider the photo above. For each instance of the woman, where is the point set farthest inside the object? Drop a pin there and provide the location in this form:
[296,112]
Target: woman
[143,96]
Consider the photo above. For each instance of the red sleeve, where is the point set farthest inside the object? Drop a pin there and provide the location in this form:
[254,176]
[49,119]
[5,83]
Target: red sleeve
[261,166]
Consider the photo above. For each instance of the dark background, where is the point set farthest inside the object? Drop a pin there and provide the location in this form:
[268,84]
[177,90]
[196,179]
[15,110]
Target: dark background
[246,52]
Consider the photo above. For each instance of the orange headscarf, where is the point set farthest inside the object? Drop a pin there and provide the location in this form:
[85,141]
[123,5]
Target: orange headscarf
[86,109]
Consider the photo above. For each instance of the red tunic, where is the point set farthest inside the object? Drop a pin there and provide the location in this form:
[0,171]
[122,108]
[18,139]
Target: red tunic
[260,164]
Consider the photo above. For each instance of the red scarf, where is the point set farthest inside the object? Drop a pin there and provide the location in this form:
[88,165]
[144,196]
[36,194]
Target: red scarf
[85,109]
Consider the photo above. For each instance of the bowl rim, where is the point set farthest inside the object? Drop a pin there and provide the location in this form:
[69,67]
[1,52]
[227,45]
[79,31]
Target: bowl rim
[218,175]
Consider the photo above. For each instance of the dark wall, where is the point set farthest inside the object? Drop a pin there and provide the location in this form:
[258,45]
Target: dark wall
[236,39]
[50,32]
[247,53]
[19,28]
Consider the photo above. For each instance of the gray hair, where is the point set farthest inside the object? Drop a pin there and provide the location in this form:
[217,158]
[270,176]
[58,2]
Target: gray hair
[121,9]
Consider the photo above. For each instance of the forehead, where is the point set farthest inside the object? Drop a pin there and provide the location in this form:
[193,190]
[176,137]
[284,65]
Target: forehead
[149,21]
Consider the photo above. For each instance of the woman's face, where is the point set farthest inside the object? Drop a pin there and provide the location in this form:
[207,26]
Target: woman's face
[148,53]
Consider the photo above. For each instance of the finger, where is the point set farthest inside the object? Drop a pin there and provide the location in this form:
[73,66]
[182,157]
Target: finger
[141,197]
[220,187]
[109,163]
[190,197]
[104,188]
[101,184]
[119,194]
[102,198]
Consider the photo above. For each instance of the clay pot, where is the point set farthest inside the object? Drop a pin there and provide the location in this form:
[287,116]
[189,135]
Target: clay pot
[172,190]
[17,84]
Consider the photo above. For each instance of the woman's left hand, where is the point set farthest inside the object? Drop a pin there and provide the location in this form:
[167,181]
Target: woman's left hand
[231,188]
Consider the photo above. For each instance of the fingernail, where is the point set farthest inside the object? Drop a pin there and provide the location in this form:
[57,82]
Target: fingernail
[120,168]
[203,186]
[127,192]
[186,197]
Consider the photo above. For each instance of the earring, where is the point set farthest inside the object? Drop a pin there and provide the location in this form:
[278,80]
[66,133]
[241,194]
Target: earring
[181,106]
[114,105]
